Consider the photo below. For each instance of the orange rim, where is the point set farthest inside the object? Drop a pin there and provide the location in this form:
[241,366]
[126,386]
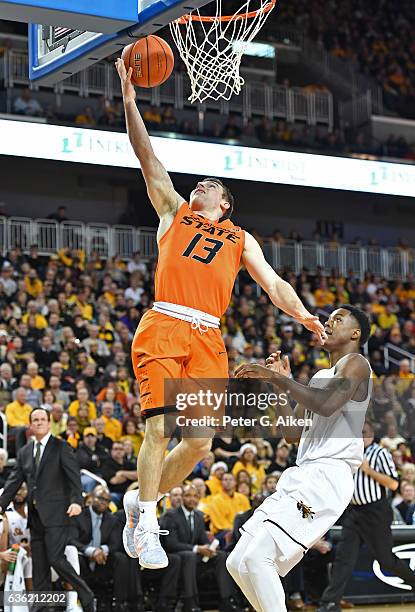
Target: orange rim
[186,18]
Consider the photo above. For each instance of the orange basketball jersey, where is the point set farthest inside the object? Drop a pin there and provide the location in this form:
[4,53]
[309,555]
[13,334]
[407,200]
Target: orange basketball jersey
[198,262]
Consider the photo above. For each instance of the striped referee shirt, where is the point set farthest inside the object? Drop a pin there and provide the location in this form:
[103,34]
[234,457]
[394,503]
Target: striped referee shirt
[366,489]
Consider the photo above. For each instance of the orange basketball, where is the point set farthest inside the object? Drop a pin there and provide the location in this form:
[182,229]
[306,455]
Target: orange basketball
[151,59]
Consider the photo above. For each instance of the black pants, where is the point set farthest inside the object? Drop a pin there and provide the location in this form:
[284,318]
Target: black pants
[120,569]
[369,524]
[48,550]
[167,579]
[192,565]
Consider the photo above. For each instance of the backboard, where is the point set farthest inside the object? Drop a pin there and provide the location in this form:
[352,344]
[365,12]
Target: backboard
[70,35]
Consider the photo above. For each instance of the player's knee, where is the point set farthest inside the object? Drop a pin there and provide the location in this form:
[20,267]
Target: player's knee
[232,563]
[155,430]
[199,447]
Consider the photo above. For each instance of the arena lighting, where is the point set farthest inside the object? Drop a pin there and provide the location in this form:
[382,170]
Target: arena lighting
[103,148]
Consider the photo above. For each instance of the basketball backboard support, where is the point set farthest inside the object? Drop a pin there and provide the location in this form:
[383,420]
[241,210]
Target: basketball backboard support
[71,35]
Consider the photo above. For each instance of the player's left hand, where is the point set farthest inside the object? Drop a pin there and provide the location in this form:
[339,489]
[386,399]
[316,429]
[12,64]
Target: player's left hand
[74,510]
[313,324]
[253,370]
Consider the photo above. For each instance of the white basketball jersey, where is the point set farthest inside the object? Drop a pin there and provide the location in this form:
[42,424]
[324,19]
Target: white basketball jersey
[18,529]
[338,436]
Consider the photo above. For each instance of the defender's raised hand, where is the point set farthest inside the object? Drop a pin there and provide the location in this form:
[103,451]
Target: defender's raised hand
[280,365]
[253,370]
[313,324]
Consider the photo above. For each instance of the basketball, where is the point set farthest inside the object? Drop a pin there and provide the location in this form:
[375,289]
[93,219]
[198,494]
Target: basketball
[151,59]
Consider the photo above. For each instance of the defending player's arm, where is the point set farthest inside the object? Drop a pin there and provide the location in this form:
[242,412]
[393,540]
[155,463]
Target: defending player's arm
[292,434]
[280,292]
[160,189]
[340,389]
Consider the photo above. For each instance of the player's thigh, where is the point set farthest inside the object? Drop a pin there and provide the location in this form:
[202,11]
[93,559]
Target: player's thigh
[157,379]
[208,357]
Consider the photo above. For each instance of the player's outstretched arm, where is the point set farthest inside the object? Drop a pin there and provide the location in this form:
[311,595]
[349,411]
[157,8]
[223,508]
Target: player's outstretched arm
[280,292]
[160,189]
[350,374]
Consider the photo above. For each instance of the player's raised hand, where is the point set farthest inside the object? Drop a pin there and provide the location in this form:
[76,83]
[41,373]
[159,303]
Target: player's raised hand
[279,364]
[253,370]
[313,324]
[127,87]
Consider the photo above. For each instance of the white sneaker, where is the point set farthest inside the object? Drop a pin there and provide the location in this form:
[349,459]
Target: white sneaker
[132,516]
[150,552]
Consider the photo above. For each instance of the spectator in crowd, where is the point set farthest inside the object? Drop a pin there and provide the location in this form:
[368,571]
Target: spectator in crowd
[176,497]
[58,420]
[224,506]
[405,508]
[59,215]
[188,538]
[90,457]
[248,461]
[18,418]
[118,472]
[113,427]
[97,536]
[168,579]
[25,104]
[214,483]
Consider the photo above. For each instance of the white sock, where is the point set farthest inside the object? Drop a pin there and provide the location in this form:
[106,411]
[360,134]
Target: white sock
[148,514]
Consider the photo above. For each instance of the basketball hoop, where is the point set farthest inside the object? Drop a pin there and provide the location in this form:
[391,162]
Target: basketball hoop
[212,47]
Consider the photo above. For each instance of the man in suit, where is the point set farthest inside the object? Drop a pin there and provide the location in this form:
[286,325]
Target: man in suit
[49,468]
[188,538]
[97,536]
[167,578]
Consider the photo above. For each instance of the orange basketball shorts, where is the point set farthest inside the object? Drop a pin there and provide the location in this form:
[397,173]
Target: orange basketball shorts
[167,348]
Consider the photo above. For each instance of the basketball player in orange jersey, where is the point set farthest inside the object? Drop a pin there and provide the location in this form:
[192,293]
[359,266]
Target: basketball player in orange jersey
[200,254]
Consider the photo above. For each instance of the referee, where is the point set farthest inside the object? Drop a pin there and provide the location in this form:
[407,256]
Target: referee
[367,519]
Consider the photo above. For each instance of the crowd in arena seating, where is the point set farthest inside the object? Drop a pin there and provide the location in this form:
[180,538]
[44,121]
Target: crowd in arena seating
[66,327]
[375,35]
[255,132]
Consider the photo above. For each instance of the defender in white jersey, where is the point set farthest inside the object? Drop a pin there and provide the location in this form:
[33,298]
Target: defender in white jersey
[313,495]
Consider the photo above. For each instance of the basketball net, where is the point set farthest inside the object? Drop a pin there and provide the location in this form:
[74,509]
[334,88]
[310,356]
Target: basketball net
[212,47]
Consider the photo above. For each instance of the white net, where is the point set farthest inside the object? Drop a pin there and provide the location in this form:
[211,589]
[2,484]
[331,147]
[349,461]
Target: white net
[212,47]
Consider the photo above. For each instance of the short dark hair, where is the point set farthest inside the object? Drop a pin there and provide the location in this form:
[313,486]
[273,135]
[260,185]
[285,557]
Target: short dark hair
[43,410]
[362,320]
[227,195]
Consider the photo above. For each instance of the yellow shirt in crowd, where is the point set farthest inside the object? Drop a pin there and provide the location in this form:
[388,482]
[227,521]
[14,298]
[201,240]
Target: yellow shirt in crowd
[37,382]
[113,428]
[17,414]
[223,508]
[74,407]
[33,287]
[40,321]
[136,439]
[257,474]
[214,484]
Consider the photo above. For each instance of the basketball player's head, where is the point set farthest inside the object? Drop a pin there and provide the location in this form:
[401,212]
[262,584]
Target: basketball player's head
[347,325]
[21,495]
[213,197]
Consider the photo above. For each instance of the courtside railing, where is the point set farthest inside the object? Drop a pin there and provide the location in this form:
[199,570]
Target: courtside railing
[257,99]
[109,240]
